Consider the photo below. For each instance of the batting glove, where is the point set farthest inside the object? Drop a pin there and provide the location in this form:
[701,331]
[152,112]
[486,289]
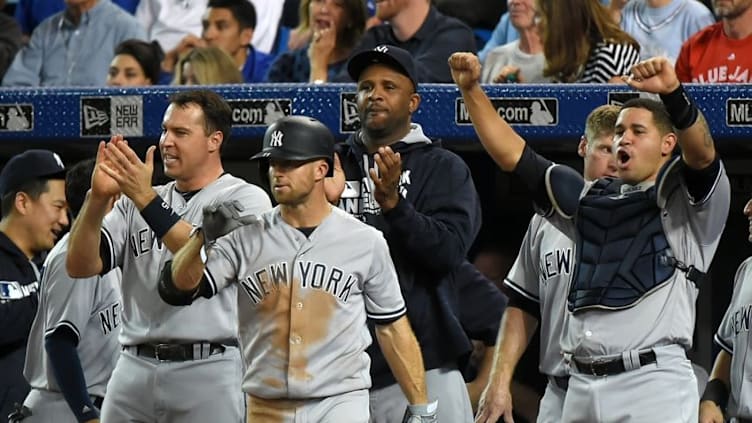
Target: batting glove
[223,218]
[421,413]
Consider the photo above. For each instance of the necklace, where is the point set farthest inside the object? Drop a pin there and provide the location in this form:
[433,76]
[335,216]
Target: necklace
[650,27]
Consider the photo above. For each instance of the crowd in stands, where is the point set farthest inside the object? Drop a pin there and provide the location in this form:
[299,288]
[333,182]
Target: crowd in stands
[73,42]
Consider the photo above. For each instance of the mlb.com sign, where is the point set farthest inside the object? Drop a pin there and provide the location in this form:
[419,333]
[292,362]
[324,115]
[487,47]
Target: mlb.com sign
[517,111]
[739,112]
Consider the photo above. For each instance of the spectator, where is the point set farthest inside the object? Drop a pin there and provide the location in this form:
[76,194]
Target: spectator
[267,26]
[521,60]
[722,52]
[73,47]
[583,44]
[32,187]
[661,26]
[475,13]
[419,28]
[30,13]
[503,33]
[337,27]
[73,343]
[206,66]
[169,21]
[136,63]
[229,25]
[10,40]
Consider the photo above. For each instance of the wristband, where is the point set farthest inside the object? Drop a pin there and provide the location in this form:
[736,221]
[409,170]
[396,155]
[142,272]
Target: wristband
[716,392]
[680,108]
[159,216]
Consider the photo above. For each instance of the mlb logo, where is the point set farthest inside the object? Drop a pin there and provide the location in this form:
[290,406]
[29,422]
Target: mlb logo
[276,139]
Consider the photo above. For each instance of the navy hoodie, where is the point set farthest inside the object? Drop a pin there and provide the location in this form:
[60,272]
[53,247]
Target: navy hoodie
[429,233]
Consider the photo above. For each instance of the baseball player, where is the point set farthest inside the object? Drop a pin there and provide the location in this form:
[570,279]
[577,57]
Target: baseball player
[166,350]
[642,243]
[538,283]
[34,213]
[728,385]
[429,211]
[309,275]
[73,341]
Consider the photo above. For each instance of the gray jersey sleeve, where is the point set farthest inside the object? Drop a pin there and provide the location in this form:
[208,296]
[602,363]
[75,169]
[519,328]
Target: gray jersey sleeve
[383,298]
[115,228]
[222,262]
[738,311]
[69,302]
[523,277]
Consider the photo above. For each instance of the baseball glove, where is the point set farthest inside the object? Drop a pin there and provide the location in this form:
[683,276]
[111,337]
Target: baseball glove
[223,218]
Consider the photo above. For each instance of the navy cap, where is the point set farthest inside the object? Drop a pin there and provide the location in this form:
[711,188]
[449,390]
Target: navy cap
[394,57]
[30,165]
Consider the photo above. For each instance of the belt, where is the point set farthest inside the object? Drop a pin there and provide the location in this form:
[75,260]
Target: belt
[562,382]
[181,352]
[611,366]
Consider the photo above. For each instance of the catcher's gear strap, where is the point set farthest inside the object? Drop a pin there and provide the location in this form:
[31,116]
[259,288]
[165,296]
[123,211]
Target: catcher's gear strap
[176,297]
[564,187]
[532,171]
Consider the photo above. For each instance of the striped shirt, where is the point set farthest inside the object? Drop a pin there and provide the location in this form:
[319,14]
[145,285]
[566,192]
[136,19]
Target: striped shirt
[607,61]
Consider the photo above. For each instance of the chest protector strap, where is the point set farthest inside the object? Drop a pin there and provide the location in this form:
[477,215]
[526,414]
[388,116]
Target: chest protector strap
[622,252]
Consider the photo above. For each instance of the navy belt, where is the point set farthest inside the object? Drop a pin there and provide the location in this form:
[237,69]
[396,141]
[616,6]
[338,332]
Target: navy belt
[181,352]
[612,366]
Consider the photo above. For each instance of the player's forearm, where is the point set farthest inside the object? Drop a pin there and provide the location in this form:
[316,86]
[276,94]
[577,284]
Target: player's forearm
[83,258]
[517,327]
[697,146]
[402,352]
[498,138]
[187,266]
[722,368]
[475,388]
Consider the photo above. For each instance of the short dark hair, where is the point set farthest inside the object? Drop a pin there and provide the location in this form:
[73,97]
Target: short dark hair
[661,117]
[217,113]
[148,55]
[242,10]
[77,183]
[33,188]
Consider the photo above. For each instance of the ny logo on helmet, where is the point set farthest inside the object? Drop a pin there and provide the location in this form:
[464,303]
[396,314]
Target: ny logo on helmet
[276,139]
[382,48]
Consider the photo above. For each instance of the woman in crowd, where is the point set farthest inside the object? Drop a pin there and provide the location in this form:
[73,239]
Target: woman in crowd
[206,66]
[582,43]
[336,27]
[136,63]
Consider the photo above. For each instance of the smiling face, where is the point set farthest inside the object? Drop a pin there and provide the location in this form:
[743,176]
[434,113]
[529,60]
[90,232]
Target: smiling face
[640,148]
[45,217]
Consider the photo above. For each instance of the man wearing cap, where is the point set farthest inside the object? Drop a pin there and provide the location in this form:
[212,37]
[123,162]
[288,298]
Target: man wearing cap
[419,28]
[309,276]
[427,207]
[34,213]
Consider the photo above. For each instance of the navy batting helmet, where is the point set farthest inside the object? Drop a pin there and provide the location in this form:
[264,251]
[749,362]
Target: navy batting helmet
[299,138]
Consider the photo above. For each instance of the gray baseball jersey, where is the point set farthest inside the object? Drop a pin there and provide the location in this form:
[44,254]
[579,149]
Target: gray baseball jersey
[90,307]
[542,273]
[733,336]
[134,247]
[667,315]
[303,302]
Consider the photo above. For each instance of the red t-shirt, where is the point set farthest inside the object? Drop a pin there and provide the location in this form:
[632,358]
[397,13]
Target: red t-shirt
[711,57]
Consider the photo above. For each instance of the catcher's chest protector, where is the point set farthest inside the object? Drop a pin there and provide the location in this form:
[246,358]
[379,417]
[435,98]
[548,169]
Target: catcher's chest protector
[621,248]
